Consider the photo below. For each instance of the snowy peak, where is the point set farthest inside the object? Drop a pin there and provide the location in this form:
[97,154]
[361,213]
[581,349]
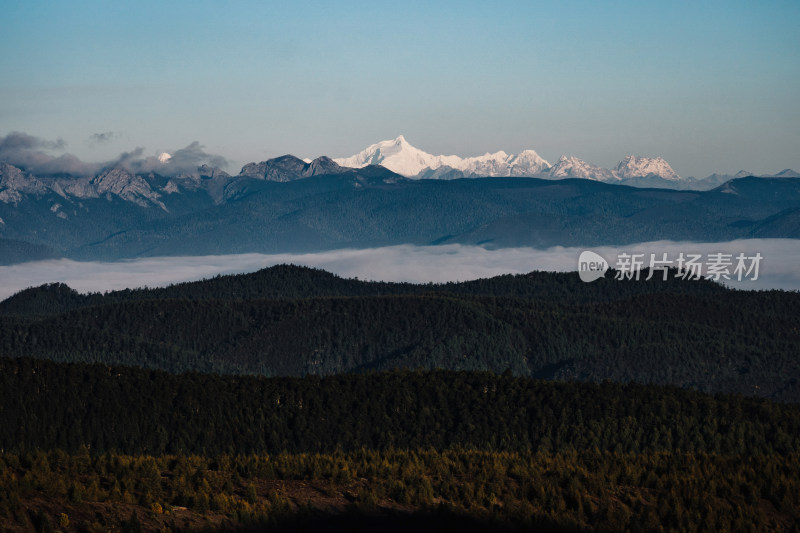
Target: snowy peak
[637,167]
[401,157]
[630,168]
[526,163]
[396,155]
[573,167]
[530,159]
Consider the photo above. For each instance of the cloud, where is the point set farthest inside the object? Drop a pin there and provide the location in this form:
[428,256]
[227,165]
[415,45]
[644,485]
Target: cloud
[31,153]
[417,264]
[183,160]
[103,138]
[128,160]
[19,141]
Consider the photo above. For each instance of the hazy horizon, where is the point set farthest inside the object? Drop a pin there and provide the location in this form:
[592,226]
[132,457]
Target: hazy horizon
[418,264]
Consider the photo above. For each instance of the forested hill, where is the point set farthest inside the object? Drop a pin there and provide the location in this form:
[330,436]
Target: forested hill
[473,451]
[136,411]
[292,282]
[293,321]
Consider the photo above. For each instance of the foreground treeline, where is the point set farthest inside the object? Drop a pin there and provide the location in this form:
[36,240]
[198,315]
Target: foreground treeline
[293,321]
[102,448]
[567,491]
[51,405]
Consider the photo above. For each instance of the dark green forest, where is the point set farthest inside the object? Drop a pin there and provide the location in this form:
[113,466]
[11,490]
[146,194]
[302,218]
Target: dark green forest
[52,405]
[291,399]
[370,450]
[295,321]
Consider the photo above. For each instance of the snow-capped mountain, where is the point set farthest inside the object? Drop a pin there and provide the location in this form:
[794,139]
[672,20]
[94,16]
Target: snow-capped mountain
[166,187]
[636,167]
[399,156]
[573,167]
[118,212]
[526,163]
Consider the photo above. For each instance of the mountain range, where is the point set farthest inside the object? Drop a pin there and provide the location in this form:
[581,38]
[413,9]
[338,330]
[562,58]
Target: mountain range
[399,156]
[287,204]
[149,188]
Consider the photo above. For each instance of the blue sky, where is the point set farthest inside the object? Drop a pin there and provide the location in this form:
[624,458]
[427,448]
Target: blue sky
[710,86]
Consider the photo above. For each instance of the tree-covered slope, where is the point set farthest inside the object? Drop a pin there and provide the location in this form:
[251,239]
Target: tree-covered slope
[50,405]
[374,207]
[292,321]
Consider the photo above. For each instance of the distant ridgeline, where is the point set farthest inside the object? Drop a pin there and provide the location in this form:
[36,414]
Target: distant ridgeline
[286,205]
[295,321]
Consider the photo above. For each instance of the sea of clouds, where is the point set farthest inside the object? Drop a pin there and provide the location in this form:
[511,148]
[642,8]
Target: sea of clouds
[778,268]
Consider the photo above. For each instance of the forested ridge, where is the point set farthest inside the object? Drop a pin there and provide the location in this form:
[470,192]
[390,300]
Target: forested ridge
[124,449]
[292,282]
[53,405]
[291,400]
[293,321]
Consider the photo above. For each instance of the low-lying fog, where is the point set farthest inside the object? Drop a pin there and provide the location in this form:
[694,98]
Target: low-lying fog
[778,268]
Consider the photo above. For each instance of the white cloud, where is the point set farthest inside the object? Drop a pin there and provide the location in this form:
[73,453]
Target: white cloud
[778,269]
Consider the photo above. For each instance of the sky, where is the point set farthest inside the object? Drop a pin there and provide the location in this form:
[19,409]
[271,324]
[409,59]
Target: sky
[709,86]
